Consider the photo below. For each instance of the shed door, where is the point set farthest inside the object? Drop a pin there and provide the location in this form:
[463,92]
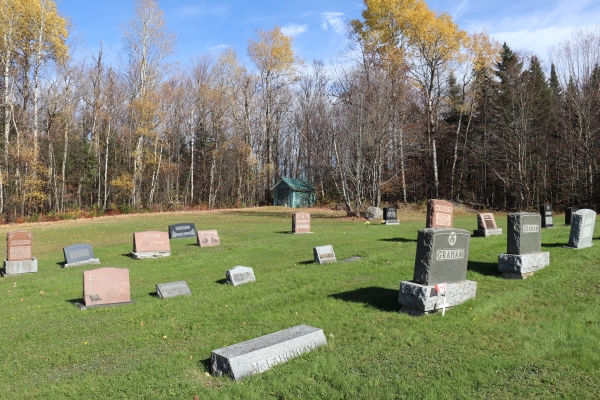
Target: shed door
[284,197]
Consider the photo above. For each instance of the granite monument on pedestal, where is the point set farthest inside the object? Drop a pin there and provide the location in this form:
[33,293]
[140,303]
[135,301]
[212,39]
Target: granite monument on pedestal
[523,256]
[19,250]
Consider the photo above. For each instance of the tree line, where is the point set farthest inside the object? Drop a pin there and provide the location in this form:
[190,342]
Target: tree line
[414,109]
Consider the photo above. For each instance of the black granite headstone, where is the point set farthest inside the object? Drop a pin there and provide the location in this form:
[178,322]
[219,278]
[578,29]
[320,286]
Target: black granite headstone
[569,211]
[390,215]
[182,231]
[547,216]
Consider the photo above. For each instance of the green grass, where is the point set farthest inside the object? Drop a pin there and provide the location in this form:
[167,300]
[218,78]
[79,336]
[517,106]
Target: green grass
[535,338]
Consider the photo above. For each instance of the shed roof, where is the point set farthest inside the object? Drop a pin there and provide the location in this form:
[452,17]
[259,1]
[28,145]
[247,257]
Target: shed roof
[298,185]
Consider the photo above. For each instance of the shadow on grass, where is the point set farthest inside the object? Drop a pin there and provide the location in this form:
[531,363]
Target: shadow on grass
[381,298]
[221,281]
[397,240]
[127,255]
[206,364]
[61,264]
[75,301]
[484,268]
[193,244]
[289,232]
[306,262]
[153,294]
[554,244]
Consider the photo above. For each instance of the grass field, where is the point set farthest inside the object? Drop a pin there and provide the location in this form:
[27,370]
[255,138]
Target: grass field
[533,338]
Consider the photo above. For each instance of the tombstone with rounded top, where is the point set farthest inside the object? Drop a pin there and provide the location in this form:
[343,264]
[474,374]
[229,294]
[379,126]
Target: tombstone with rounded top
[582,229]
[440,214]
[374,213]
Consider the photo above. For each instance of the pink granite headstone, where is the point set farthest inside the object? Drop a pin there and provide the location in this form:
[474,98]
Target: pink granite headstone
[208,238]
[19,246]
[151,241]
[301,223]
[439,214]
[486,221]
[106,286]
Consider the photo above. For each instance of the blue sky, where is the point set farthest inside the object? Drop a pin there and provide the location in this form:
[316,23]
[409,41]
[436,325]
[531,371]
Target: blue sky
[318,28]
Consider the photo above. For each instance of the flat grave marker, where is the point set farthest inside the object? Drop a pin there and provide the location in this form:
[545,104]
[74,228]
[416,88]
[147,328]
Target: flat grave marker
[19,254]
[582,229]
[173,289]
[151,244]
[182,231]
[324,254]
[440,214]
[239,275]
[301,223]
[79,254]
[258,355]
[208,238]
[105,286]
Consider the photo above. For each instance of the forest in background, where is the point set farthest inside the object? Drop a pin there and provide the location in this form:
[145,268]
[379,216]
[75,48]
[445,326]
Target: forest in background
[416,108]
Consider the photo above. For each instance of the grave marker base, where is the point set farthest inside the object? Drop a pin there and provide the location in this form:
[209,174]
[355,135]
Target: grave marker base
[141,255]
[415,312]
[83,307]
[258,355]
[524,263]
[20,267]
[299,233]
[425,299]
[392,222]
[487,232]
[84,262]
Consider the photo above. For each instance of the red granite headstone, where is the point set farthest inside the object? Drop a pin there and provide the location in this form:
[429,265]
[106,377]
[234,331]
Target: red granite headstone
[106,286]
[19,246]
[151,241]
[486,221]
[301,223]
[439,214]
[208,238]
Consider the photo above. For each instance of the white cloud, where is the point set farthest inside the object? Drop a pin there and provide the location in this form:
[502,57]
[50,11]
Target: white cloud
[294,29]
[333,20]
[219,48]
[460,10]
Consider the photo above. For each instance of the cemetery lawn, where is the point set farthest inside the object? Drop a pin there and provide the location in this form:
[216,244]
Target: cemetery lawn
[533,338]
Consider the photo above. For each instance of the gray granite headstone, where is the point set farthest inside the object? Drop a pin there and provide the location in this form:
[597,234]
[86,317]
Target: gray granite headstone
[258,355]
[582,229]
[524,234]
[182,231]
[173,289]
[442,255]
[240,275]
[547,216]
[324,254]
[79,254]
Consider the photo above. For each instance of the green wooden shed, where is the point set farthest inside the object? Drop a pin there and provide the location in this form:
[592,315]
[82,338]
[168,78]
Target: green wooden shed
[294,193]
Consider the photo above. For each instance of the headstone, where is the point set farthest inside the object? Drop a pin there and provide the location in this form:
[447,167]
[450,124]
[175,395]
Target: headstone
[486,226]
[151,244]
[582,229]
[374,213]
[301,223]
[547,216]
[239,275]
[442,258]
[568,214]
[19,245]
[208,238]
[173,289]
[324,254]
[105,286]
[19,250]
[390,216]
[79,254]
[182,231]
[524,255]
[258,355]
[440,214]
